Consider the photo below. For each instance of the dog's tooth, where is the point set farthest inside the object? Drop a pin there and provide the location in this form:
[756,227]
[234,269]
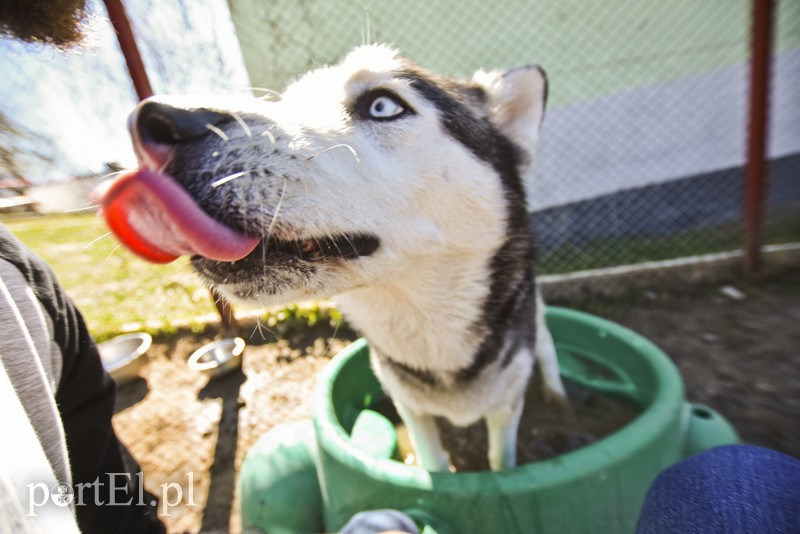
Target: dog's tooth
[307,246]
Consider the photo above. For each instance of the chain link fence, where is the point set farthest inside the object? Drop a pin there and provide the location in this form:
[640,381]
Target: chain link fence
[644,141]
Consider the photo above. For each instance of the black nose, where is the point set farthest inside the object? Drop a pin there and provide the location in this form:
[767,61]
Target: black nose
[167,125]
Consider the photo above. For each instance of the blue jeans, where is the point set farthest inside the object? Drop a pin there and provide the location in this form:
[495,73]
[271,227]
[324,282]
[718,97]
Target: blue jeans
[375,521]
[729,489]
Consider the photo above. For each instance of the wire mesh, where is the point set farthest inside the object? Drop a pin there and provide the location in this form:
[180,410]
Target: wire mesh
[643,145]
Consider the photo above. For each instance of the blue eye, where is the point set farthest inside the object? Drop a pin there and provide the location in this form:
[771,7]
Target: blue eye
[385,107]
[381,105]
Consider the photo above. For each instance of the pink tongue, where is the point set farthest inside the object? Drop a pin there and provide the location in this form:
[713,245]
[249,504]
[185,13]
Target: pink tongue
[157,219]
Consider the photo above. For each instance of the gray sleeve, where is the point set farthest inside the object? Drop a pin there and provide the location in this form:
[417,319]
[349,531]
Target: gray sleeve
[33,364]
[34,446]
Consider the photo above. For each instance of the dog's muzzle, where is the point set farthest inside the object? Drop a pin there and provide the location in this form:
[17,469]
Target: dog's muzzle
[152,214]
[157,217]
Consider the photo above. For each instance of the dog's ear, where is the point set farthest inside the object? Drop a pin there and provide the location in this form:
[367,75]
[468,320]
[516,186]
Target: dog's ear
[515,102]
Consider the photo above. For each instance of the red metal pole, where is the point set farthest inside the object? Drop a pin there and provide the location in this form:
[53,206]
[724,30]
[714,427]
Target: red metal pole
[756,171]
[127,42]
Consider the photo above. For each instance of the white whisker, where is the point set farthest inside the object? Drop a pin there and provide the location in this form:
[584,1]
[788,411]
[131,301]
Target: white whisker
[218,132]
[333,336]
[241,122]
[113,250]
[268,93]
[80,210]
[259,329]
[269,135]
[265,241]
[366,37]
[277,207]
[336,245]
[341,145]
[109,175]
[228,178]
[96,239]
[350,242]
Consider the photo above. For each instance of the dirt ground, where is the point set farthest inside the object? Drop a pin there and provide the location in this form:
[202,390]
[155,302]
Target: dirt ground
[739,353]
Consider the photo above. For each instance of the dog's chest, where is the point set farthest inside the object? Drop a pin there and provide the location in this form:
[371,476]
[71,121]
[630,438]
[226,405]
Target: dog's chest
[431,334]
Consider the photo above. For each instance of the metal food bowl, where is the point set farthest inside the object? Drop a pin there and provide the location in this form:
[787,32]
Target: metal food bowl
[218,358]
[123,356]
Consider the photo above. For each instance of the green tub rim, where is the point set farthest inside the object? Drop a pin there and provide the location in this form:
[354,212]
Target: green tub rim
[666,404]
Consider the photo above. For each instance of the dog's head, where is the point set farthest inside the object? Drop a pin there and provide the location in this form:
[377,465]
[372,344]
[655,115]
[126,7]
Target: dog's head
[357,172]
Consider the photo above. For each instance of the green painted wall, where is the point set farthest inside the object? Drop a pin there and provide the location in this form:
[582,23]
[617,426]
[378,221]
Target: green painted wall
[590,48]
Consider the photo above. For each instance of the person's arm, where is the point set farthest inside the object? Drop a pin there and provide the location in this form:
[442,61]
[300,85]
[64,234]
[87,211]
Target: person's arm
[85,396]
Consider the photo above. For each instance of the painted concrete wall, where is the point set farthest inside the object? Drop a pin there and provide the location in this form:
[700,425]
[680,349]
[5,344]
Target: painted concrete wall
[688,126]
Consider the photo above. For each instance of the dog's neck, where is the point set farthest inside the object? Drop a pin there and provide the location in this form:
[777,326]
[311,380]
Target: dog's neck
[429,318]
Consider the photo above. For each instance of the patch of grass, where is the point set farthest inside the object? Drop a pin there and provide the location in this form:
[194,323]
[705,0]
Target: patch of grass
[118,292]
[293,317]
[610,251]
[114,290]
[783,226]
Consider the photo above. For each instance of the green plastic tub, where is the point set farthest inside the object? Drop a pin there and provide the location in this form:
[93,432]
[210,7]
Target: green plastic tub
[599,488]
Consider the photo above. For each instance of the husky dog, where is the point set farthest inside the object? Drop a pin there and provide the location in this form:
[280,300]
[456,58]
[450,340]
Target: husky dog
[397,191]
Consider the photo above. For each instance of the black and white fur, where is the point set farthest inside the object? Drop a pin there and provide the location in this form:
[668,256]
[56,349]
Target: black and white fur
[401,194]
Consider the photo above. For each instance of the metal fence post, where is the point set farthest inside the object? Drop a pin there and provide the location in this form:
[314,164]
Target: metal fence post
[127,42]
[756,170]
